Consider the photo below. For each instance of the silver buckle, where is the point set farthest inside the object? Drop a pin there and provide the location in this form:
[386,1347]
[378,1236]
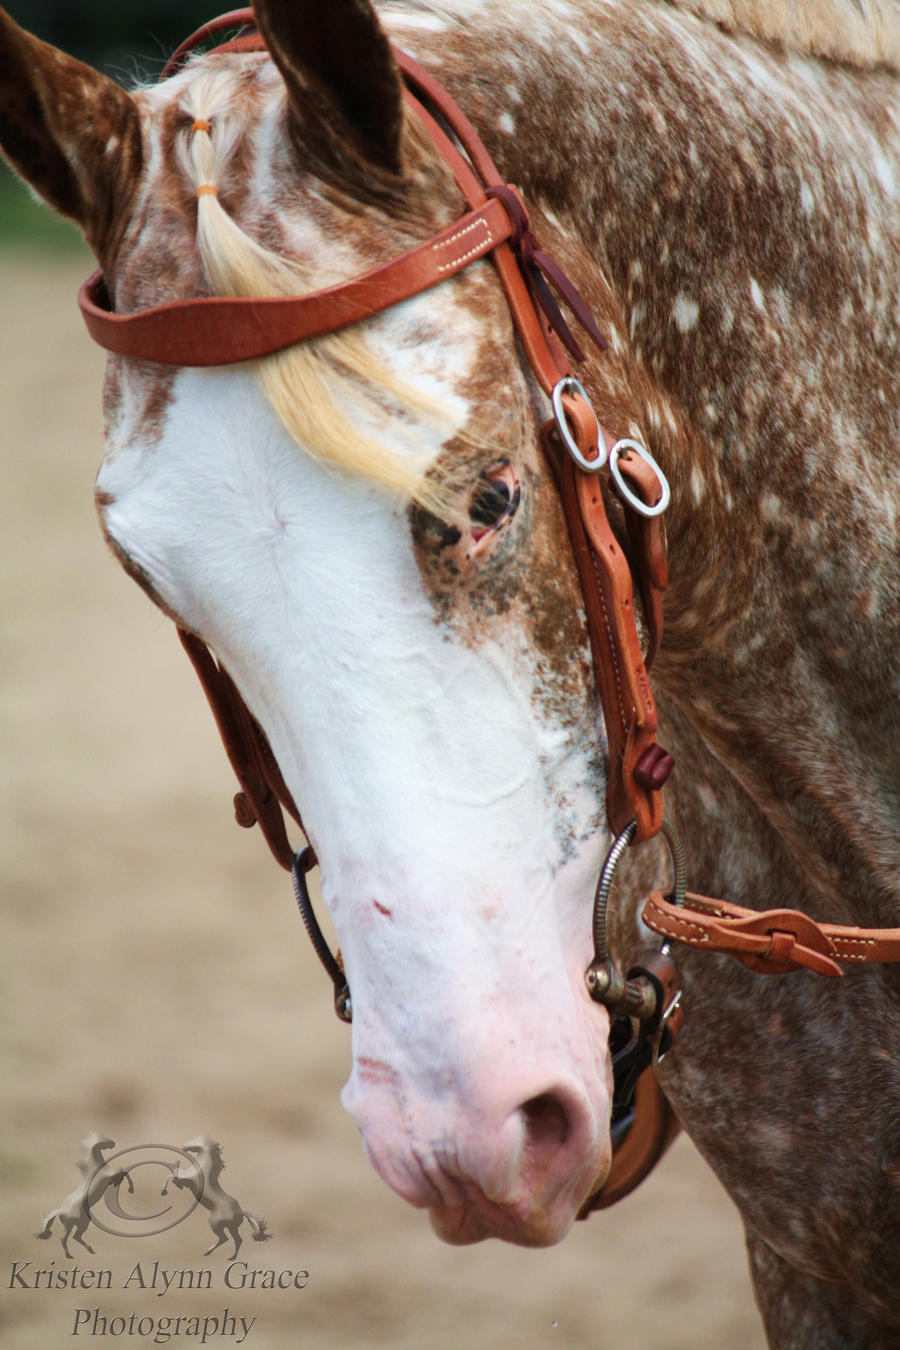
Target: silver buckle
[625,491]
[569,385]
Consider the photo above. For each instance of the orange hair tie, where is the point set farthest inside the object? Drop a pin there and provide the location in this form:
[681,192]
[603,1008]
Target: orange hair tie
[207,190]
[201,124]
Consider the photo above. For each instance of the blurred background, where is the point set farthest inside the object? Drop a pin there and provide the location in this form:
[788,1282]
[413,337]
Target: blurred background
[123,39]
[130,41]
[157,983]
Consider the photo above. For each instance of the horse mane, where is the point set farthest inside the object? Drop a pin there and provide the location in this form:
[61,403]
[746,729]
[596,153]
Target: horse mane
[208,1148]
[217,1162]
[310,384]
[864,33]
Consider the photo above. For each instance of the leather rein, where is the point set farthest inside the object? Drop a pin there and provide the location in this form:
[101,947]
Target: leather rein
[644,1006]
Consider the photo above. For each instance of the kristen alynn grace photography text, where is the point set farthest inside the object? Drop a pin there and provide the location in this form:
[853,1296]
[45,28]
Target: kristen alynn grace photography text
[152,1279]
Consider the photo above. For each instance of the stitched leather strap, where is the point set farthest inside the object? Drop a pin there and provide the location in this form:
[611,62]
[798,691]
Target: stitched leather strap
[625,695]
[224,330]
[770,942]
[637,766]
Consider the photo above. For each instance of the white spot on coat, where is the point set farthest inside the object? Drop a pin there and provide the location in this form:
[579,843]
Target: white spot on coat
[685,312]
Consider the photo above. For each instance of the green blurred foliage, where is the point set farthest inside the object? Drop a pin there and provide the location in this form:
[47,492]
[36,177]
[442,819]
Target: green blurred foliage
[130,41]
[24,223]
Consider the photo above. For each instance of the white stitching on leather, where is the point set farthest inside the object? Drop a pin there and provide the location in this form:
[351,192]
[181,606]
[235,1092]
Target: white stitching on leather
[457,238]
[662,924]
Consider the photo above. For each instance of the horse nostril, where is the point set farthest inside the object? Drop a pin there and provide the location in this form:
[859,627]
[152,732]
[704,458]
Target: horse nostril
[547,1124]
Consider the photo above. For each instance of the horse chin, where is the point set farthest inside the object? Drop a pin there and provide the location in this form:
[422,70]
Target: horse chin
[462,1225]
[535,1225]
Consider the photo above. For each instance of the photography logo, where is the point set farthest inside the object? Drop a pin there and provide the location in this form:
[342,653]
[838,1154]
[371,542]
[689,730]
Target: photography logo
[146,1189]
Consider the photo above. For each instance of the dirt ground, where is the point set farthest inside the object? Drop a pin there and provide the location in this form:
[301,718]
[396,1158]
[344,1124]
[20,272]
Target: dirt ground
[158,984]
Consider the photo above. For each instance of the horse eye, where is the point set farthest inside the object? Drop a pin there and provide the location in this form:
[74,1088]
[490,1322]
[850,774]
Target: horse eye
[494,501]
[490,503]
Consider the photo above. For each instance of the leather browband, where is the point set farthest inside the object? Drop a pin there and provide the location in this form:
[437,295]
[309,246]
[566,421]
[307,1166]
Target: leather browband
[224,330]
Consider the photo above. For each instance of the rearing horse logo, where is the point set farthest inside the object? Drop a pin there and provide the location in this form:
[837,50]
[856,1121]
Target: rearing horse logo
[202,1180]
[74,1214]
[193,1170]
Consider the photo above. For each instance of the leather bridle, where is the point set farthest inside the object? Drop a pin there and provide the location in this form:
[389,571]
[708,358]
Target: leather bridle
[225,330]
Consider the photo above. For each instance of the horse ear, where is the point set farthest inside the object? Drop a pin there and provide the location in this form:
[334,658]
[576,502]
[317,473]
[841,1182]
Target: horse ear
[70,132]
[336,49]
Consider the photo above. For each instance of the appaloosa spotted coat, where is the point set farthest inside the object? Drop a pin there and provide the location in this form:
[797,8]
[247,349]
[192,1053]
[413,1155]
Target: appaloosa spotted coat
[721,180]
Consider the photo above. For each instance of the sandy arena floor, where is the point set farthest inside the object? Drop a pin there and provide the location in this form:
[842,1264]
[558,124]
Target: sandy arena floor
[158,984]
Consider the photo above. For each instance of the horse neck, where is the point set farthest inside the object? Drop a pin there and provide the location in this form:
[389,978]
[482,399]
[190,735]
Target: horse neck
[211,1167]
[690,165]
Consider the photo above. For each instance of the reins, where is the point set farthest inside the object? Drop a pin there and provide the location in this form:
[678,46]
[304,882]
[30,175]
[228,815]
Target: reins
[644,1005]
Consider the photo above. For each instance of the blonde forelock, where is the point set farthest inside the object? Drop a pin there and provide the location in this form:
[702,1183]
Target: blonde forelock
[310,384]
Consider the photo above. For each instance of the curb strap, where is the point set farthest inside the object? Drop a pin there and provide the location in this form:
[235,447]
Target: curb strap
[770,942]
[645,1133]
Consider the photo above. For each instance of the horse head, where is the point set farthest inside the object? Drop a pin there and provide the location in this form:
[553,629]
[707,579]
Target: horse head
[91,1151]
[363,530]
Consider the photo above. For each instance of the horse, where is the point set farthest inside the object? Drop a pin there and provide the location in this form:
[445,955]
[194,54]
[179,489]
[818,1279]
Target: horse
[202,1180]
[364,529]
[74,1214]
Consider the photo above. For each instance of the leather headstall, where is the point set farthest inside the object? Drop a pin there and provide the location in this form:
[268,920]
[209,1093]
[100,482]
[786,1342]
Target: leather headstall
[225,330]
[221,331]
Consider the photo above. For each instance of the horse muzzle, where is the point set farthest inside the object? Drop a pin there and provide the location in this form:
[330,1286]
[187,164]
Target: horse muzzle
[485,1169]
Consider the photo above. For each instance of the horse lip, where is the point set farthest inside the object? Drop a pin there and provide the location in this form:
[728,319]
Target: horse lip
[462,1213]
[531,1225]
[466,1213]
